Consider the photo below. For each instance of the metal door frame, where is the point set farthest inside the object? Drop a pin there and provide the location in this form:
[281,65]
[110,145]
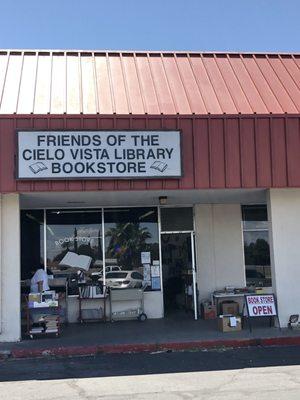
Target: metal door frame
[194,272]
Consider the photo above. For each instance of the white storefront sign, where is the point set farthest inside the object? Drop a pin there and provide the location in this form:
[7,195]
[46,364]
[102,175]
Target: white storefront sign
[98,154]
[261,305]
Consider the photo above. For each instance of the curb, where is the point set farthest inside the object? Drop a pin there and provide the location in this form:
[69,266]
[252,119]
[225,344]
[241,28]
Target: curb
[69,351]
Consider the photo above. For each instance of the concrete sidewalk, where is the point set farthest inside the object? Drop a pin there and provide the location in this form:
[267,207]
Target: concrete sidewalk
[152,335]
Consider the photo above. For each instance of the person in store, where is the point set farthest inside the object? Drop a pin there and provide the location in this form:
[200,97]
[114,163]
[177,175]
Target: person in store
[39,281]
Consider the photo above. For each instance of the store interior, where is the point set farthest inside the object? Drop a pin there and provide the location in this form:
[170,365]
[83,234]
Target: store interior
[177,273]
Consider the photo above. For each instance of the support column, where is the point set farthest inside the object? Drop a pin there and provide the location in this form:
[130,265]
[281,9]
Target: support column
[284,232]
[219,241]
[10,328]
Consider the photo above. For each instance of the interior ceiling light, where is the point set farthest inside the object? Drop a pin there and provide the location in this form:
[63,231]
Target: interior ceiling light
[146,215]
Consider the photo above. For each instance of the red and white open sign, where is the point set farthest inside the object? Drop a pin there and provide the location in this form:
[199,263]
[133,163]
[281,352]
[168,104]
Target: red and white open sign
[261,305]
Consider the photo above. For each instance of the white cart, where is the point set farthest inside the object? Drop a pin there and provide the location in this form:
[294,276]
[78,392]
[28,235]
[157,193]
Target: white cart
[124,296]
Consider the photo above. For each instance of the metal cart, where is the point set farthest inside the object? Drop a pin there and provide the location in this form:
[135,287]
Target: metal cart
[46,313]
[88,294]
[126,295]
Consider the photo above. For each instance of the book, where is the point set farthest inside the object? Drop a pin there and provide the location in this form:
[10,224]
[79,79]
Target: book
[73,260]
[50,317]
[37,330]
[34,297]
[34,304]
[159,166]
[37,167]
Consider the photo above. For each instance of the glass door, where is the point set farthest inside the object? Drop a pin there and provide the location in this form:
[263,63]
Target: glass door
[179,273]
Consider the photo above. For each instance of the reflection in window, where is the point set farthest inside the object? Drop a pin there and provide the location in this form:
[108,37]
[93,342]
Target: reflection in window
[257,250]
[256,246]
[129,232]
[71,233]
[74,243]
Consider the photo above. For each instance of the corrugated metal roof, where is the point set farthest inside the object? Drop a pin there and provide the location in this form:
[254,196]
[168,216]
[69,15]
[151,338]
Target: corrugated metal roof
[110,82]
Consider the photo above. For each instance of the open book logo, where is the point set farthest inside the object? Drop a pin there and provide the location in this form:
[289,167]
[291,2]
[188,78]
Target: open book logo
[159,166]
[38,167]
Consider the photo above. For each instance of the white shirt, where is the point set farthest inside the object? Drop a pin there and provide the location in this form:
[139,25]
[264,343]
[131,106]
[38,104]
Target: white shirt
[39,276]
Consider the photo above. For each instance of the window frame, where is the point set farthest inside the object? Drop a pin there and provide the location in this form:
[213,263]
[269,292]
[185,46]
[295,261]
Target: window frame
[265,229]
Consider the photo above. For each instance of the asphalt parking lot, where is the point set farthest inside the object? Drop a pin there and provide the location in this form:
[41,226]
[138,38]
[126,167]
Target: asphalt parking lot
[111,365]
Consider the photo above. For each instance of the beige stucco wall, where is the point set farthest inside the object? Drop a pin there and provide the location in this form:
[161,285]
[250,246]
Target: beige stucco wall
[10,329]
[284,217]
[219,247]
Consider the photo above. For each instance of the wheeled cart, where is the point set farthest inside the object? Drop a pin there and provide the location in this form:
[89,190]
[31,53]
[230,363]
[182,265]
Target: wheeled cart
[96,313]
[124,296]
[48,321]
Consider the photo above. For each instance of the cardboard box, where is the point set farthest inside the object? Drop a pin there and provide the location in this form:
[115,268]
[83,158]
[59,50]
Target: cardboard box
[229,323]
[208,311]
[230,308]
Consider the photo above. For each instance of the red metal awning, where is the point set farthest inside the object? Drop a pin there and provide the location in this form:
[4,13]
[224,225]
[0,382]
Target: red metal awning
[84,82]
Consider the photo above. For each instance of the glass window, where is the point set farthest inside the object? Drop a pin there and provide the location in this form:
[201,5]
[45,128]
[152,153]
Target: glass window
[136,275]
[74,245]
[256,246]
[116,275]
[32,241]
[255,217]
[129,232]
[257,251]
[176,219]
[71,233]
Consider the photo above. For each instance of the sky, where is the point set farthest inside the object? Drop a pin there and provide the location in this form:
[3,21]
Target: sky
[195,25]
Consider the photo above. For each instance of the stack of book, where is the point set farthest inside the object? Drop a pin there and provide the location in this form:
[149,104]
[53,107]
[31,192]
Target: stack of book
[51,323]
[37,329]
[46,324]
